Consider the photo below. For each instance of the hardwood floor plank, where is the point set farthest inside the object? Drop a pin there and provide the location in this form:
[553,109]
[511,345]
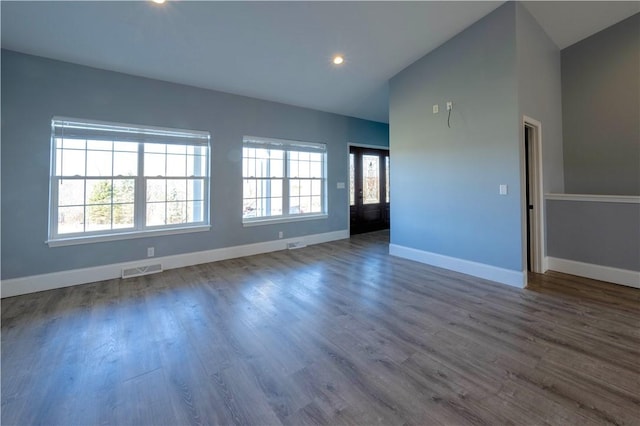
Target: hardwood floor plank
[338,333]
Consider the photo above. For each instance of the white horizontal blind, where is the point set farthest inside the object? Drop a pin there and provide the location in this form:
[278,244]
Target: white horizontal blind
[287,145]
[63,127]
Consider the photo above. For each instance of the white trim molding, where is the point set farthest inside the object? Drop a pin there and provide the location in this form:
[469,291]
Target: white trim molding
[480,270]
[35,283]
[596,272]
[630,199]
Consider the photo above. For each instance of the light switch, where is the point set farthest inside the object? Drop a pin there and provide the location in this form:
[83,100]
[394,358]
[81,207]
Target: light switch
[436,109]
[503,189]
[340,185]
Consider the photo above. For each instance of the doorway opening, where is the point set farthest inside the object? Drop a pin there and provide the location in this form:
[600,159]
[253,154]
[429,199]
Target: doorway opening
[369,197]
[533,197]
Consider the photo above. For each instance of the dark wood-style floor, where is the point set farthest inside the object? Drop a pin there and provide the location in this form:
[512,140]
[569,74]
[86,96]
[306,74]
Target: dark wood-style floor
[338,333]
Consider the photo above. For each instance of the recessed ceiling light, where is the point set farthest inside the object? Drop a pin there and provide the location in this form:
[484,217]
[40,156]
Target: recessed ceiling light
[338,59]
[158,1]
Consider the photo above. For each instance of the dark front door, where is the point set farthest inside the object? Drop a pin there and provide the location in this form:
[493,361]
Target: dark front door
[369,189]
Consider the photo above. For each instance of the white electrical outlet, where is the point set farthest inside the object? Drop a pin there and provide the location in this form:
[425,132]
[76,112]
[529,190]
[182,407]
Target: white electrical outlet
[280,234]
[151,251]
[503,189]
[436,109]
[449,106]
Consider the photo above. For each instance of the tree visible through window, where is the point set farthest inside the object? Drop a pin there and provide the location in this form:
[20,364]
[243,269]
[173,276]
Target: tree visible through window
[109,178]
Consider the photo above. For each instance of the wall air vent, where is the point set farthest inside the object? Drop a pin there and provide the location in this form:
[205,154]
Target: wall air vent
[137,271]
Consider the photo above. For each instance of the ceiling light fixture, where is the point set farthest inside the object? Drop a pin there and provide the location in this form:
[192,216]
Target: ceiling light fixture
[338,59]
[158,1]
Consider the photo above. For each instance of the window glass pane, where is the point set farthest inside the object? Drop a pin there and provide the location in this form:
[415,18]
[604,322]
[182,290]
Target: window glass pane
[277,169]
[74,144]
[125,146]
[125,164]
[99,163]
[314,156]
[371,179]
[195,211]
[70,220]
[155,147]
[176,149]
[352,180]
[303,169]
[71,192]
[316,204]
[293,169]
[99,191]
[176,189]
[124,191]
[388,183]
[72,162]
[276,188]
[196,165]
[276,206]
[99,145]
[262,168]
[305,187]
[195,189]
[156,190]
[123,216]
[294,187]
[315,170]
[248,208]
[294,205]
[176,212]
[154,164]
[305,204]
[316,187]
[155,214]
[98,217]
[176,165]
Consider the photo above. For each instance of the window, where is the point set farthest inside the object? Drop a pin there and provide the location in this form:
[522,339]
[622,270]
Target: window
[118,180]
[282,179]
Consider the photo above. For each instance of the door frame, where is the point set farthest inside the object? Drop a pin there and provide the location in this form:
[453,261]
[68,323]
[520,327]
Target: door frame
[536,245]
[357,145]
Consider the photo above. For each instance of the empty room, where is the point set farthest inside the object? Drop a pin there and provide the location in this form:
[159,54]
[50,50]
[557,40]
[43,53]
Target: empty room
[332,213]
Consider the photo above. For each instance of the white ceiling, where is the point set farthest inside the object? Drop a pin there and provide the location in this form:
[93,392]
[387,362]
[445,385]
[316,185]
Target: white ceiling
[278,51]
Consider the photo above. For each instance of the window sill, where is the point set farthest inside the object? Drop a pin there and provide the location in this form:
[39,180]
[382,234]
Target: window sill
[258,222]
[60,242]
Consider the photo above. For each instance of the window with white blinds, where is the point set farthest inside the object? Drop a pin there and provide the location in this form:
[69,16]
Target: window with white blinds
[113,179]
[282,179]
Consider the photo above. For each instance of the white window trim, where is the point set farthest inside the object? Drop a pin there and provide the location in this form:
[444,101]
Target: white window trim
[82,128]
[289,145]
[89,239]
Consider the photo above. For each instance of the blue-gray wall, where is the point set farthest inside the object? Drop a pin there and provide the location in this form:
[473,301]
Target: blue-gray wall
[445,180]
[598,233]
[35,89]
[540,94]
[601,111]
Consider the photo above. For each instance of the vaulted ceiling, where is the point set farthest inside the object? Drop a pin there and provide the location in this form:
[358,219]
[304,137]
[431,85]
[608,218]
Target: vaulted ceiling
[279,51]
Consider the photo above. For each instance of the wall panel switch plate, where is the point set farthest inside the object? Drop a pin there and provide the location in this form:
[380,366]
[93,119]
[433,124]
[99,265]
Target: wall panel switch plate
[436,109]
[503,189]
[340,185]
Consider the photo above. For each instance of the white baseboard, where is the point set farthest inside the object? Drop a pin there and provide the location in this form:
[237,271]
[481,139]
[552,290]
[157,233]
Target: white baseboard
[481,270]
[34,283]
[596,272]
